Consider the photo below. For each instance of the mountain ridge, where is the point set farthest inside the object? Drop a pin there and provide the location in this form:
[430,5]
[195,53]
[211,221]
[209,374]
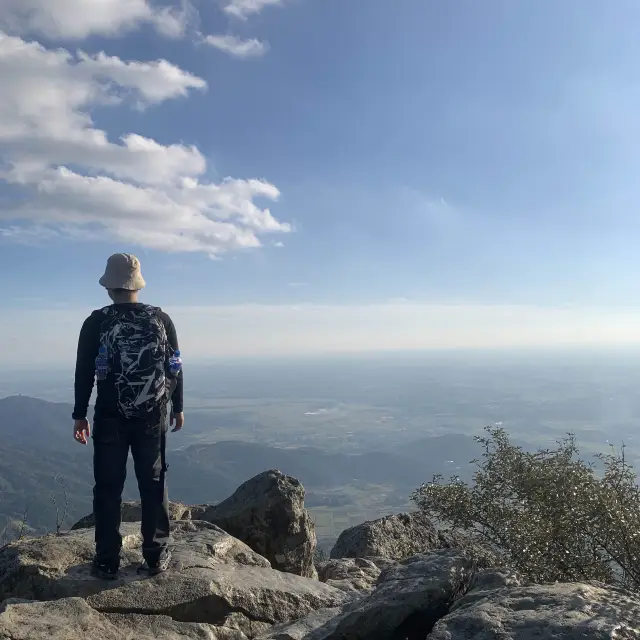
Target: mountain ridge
[36,447]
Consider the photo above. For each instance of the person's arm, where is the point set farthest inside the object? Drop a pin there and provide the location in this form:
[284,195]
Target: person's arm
[88,345]
[177,395]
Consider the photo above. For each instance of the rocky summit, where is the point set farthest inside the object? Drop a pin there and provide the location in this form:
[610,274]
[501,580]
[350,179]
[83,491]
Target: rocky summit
[215,580]
[222,587]
[267,512]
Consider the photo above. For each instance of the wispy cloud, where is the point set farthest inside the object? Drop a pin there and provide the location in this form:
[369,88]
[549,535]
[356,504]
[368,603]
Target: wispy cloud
[244,8]
[78,19]
[238,47]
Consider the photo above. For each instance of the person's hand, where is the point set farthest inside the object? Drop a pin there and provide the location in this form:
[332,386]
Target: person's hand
[81,431]
[177,421]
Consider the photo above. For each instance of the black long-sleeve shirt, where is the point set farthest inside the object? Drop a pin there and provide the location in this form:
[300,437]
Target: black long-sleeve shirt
[88,345]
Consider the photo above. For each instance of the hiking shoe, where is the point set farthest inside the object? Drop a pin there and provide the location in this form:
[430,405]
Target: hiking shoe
[156,568]
[104,571]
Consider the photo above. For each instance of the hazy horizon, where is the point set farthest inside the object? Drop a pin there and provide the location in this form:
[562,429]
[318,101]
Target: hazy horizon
[209,334]
[570,353]
[532,391]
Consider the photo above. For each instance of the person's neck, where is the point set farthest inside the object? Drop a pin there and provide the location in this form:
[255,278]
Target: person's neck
[125,299]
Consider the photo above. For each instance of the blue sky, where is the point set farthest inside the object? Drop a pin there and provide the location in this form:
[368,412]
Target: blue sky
[440,153]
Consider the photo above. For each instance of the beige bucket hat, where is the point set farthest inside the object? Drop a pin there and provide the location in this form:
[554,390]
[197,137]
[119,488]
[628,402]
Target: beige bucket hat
[123,272]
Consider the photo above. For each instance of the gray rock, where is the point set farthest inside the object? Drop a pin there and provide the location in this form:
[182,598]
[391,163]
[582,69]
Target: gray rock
[350,585]
[555,612]
[74,619]
[409,597]
[56,567]
[131,512]
[488,580]
[214,579]
[395,537]
[353,574]
[194,541]
[268,514]
[225,595]
[141,627]
[497,578]
[317,624]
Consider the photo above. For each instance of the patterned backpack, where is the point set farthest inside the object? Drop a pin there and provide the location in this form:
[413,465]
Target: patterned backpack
[138,353]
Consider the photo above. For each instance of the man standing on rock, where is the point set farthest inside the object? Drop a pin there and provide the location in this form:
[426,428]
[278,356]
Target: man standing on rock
[132,350]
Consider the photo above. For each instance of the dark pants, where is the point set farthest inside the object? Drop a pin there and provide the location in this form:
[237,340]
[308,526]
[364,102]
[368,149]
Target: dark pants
[112,439]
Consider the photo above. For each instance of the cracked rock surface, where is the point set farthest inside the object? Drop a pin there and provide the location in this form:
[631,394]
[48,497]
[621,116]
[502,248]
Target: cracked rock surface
[353,574]
[553,611]
[74,619]
[214,580]
[55,567]
[412,595]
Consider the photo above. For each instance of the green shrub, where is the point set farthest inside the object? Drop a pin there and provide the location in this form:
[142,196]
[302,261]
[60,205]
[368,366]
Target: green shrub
[549,513]
[319,556]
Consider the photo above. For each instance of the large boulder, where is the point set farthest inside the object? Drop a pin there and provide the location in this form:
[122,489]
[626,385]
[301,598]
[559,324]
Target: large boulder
[55,567]
[441,597]
[559,611]
[412,595]
[214,579]
[266,512]
[246,598]
[409,597]
[395,537]
[74,619]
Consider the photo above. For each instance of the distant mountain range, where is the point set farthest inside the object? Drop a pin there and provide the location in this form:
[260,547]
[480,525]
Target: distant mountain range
[37,453]
[224,465]
[30,421]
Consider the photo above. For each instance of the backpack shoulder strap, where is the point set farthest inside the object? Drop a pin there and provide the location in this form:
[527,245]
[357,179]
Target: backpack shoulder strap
[150,309]
[106,316]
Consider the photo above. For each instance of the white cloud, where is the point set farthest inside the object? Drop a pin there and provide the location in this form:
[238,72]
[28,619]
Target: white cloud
[76,182]
[44,120]
[77,19]
[244,8]
[172,21]
[189,217]
[153,81]
[238,47]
